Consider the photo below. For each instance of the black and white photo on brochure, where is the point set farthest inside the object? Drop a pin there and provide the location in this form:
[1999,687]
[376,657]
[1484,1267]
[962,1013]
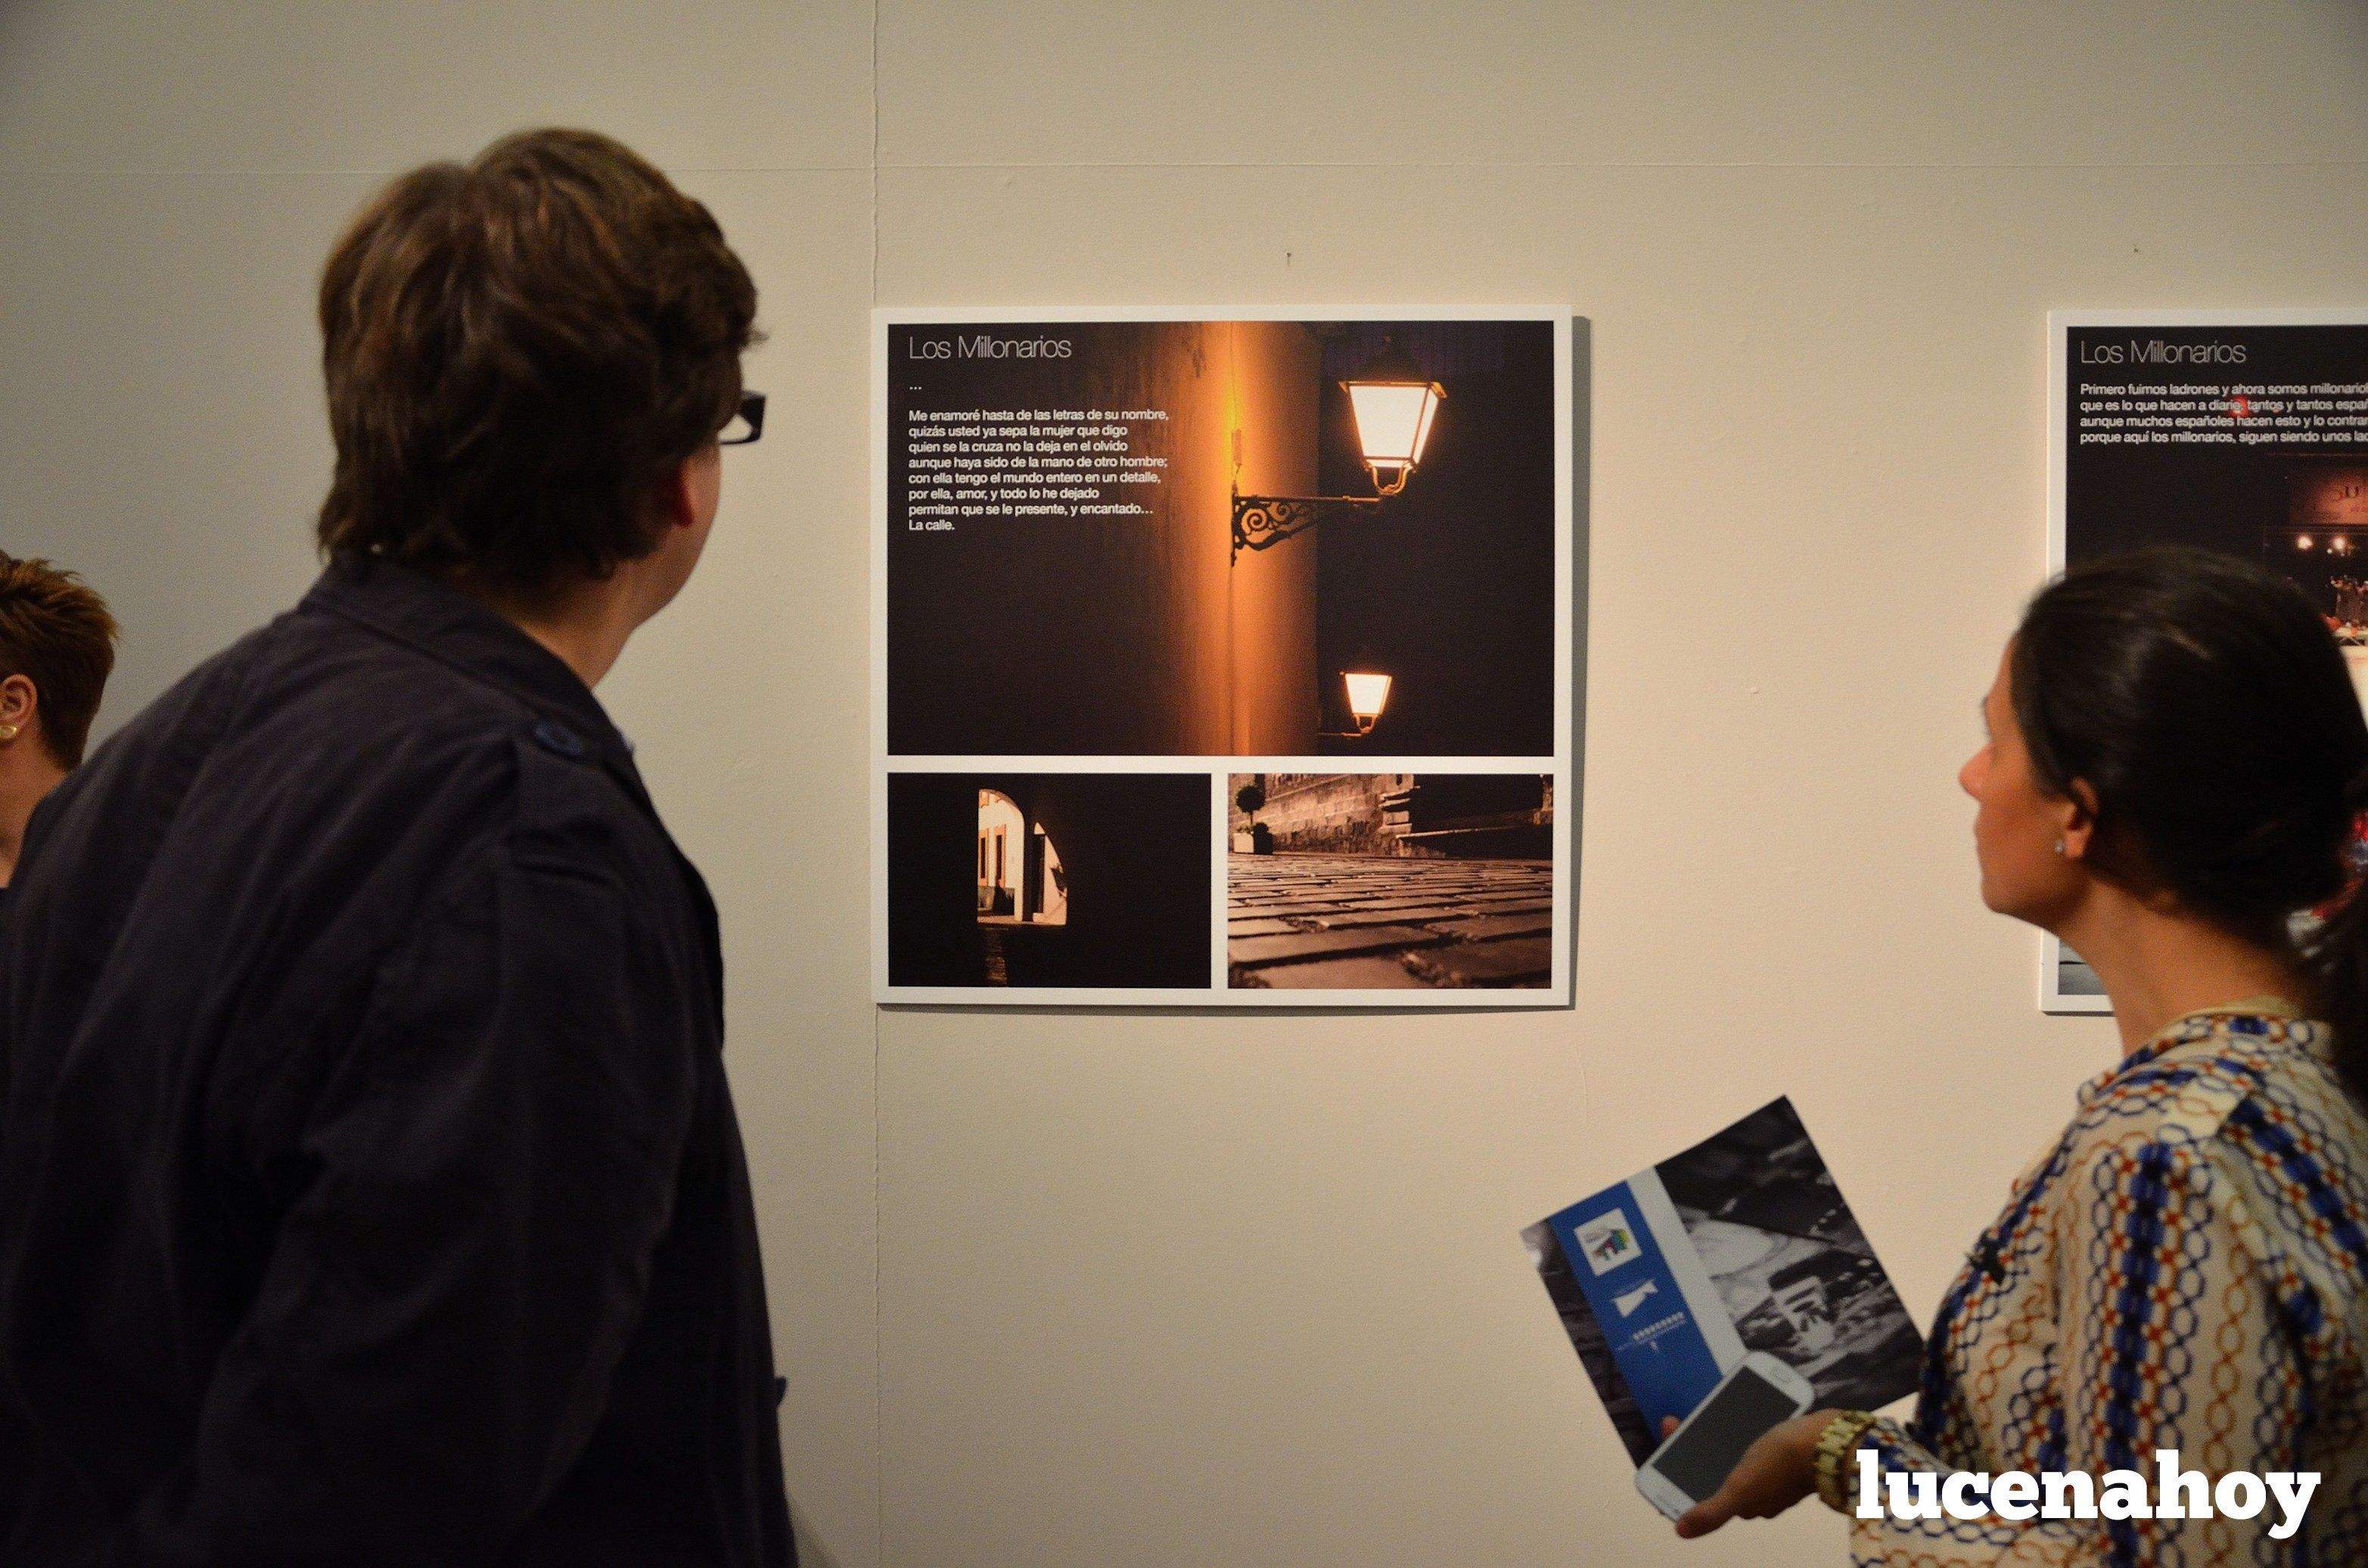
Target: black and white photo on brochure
[1328,544]
[2244,432]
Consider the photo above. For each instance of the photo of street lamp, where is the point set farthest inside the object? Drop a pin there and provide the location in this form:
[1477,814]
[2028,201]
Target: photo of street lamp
[1369,693]
[1101,537]
[1392,404]
[1102,585]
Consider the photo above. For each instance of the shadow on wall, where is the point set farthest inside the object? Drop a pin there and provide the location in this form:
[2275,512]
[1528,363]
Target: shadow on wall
[1135,859]
[1431,816]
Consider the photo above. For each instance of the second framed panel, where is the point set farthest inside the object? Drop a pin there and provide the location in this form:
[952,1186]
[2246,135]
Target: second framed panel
[2242,432]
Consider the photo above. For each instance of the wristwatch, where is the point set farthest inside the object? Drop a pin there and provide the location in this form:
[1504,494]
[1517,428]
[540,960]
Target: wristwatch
[1838,1446]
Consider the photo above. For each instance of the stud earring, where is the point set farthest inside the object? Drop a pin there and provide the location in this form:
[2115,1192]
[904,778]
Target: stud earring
[2059,846]
[7,733]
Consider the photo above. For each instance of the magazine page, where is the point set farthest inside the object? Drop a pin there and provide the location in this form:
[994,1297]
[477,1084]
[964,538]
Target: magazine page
[1741,1243]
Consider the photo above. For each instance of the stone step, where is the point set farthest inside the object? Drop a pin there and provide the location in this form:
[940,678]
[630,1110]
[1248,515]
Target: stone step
[1516,961]
[1363,973]
[1523,840]
[1314,944]
[1482,928]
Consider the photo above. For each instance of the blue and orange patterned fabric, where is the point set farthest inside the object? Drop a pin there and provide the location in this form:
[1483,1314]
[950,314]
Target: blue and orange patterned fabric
[2186,1268]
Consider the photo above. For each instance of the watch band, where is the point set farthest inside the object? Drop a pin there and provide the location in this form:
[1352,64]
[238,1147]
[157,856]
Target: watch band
[1838,1446]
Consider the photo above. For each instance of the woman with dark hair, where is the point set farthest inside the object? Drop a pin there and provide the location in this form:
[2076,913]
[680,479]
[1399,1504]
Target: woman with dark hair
[2175,764]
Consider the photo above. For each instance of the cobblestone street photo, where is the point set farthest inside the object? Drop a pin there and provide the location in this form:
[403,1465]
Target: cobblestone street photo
[1390,881]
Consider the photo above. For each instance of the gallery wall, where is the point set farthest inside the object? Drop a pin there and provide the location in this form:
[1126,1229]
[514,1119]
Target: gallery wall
[1071,1288]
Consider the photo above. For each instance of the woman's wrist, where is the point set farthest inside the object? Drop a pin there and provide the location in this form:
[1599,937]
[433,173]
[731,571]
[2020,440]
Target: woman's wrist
[1839,1440]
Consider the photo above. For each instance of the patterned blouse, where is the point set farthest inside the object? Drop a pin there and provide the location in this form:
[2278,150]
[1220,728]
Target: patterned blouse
[2186,1268]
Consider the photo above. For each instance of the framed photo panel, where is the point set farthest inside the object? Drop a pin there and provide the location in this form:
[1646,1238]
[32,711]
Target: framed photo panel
[1223,660]
[2240,431]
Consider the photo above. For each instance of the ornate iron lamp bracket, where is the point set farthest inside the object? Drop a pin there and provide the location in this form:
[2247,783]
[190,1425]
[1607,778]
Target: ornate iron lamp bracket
[1261,522]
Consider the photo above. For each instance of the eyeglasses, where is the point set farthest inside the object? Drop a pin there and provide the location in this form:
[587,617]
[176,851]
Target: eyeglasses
[748,422]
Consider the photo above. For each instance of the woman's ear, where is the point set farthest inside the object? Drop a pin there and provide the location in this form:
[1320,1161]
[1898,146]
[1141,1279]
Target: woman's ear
[2076,826]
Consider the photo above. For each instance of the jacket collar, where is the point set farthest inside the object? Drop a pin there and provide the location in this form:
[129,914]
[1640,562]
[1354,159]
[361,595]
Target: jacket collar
[2244,1029]
[439,621]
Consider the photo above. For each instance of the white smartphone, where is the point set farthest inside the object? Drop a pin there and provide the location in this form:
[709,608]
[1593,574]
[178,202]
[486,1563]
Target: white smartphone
[1758,1393]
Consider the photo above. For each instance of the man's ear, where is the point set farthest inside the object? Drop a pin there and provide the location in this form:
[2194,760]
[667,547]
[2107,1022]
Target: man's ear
[2076,820]
[20,704]
[678,506]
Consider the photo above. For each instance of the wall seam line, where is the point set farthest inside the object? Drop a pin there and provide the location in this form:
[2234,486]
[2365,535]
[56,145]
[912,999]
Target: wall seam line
[879,1365]
[1636,166]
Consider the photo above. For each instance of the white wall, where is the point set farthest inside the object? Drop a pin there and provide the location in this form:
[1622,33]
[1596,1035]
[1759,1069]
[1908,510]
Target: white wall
[1079,1288]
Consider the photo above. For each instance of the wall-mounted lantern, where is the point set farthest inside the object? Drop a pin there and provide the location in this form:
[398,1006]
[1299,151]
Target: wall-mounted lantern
[1393,406]
[1369,693]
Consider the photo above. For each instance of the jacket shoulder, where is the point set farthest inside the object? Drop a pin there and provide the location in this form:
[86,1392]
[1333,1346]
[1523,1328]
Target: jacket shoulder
[570,811]
[321,745]
[2183,1102]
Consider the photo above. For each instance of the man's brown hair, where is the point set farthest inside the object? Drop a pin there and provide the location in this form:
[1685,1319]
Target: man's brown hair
[58,634]
[519,353]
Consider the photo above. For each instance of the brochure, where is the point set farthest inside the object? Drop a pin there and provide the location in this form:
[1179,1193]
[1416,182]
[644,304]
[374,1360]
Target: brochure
[1741,1243]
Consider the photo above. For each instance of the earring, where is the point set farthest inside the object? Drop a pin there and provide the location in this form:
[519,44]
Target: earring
[7,733]
[2059,846]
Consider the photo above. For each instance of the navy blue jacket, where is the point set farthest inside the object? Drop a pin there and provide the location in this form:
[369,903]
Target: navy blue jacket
[370,1186]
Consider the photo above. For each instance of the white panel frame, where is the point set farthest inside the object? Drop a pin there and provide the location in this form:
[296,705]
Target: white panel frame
[1558,990]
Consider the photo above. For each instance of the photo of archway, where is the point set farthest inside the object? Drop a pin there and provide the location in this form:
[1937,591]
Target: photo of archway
[2241,433]
[1048,880]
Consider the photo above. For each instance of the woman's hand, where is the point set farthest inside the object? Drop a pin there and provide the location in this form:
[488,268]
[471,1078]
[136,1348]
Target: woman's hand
[1774,1474]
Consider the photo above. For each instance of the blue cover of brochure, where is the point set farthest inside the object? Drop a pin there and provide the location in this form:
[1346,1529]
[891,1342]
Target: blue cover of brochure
[1742,1242]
